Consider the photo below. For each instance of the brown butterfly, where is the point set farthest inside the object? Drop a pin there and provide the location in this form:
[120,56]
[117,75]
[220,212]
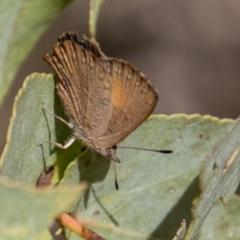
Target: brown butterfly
[105,98]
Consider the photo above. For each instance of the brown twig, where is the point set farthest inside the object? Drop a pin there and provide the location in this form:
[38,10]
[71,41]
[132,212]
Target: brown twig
[72,224]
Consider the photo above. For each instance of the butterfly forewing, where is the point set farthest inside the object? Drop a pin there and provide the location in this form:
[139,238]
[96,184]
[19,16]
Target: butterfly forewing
[83,87]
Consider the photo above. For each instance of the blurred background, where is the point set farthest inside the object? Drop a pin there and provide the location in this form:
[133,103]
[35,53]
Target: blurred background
[190,50]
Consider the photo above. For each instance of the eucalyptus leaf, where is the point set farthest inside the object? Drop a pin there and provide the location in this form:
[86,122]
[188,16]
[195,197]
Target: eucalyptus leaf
[156,190]
[219,177]
[26,212]
[21,24]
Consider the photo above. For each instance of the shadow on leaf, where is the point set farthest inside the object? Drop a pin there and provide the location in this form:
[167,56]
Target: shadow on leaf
[182,210]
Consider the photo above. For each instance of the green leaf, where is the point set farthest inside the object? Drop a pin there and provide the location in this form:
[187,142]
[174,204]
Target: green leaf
[94,7]
[156,190]
[21,24]
[22,159]
[219,177]
[26,212]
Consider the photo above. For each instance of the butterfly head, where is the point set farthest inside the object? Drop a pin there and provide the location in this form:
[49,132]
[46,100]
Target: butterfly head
[110,153]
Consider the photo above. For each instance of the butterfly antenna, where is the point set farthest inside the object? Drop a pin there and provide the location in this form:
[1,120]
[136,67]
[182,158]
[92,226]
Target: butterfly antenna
[115,175]
[148,149]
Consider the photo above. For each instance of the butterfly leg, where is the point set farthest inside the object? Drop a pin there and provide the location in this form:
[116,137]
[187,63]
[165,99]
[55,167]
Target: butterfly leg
[59,145]
[59,118]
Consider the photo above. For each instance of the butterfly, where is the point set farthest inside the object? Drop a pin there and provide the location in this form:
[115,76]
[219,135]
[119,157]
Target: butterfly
[104,98]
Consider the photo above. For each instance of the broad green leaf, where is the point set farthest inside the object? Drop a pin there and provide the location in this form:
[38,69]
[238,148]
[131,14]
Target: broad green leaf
[22,159]
[94,7]
[26,212]
[219,177]
[21,24]
[156,190]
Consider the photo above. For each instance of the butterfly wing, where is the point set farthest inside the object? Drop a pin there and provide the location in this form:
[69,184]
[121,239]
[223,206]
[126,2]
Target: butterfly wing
[133,100]
[83,87]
